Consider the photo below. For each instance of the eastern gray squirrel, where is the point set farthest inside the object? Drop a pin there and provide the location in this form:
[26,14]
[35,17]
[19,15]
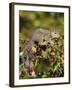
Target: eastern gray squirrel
[41,37]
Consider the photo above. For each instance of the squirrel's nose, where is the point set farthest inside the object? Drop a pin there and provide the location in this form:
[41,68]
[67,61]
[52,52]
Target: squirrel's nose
[43,40]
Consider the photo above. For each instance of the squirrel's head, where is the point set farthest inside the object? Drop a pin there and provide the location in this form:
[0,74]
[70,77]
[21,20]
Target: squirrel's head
[41,36]
[55,34]
[44,36]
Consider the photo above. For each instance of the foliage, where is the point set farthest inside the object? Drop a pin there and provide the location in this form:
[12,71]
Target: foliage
[48,60]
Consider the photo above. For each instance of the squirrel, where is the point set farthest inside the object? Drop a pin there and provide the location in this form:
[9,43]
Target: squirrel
[40,36]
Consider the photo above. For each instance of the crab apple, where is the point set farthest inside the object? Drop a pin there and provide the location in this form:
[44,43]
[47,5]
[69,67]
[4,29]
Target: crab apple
[38,49]
[30,71]
[53,49]
[62,56]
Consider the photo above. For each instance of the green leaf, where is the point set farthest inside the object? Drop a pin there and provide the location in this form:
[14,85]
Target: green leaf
[49,50]
[53,53]
[58,53]
[44,76]
[44,53]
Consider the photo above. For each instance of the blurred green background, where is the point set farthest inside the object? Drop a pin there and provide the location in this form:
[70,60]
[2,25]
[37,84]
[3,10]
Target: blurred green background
[30,20]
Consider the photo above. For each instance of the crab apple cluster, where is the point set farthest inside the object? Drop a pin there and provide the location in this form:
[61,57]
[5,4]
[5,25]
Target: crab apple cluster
[48,60]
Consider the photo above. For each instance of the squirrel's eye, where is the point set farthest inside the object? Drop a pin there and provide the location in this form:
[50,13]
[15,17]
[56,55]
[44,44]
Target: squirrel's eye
[36,42]
[43,40]
[55,33]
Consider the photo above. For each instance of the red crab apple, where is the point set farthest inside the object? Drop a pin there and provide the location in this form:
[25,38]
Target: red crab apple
[30,70]
[62,56]
[53,49]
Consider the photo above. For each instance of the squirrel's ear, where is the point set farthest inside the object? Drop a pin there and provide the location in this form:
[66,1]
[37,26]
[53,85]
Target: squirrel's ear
[53,30]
